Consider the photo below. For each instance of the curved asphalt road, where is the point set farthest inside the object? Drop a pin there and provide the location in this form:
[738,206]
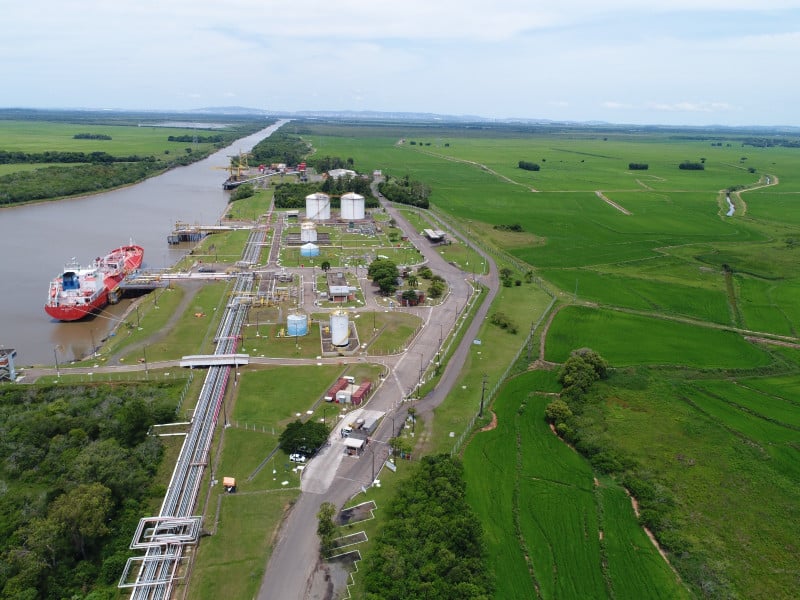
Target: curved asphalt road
[293,570]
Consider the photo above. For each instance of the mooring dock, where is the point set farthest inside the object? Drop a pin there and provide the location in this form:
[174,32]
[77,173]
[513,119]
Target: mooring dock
[143,281]
[183,232]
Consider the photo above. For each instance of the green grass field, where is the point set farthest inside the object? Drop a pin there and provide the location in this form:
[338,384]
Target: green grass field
[41,136]
[523,478]
[627,339]
[683,271]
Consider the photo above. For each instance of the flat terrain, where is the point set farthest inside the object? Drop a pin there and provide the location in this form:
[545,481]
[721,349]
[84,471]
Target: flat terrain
[671,290]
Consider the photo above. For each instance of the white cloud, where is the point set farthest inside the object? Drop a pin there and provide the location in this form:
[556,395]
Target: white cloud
[617,105]
[704,107]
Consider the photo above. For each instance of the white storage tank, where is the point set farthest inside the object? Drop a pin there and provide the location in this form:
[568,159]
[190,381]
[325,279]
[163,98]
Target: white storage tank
[340,328]
[309,249]
[308,231]
[318,207]
[352,207]
[296,325]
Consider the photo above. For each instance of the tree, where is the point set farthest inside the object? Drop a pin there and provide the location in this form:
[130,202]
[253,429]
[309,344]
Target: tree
[557,412]
[384,274]
[412,281]
[303,437]
[326,528]
[400,446]
[410,297]
[581,370]
[437,289]
[598,363]
[82,513]
[325,266]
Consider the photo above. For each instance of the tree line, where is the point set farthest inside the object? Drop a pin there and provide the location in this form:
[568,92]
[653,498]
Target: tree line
[56,182]
[52,156]
[77,466]
[293,195]
[578,417]
[405,191]
[91,136]
[200,139]
[432,545]
[280,147]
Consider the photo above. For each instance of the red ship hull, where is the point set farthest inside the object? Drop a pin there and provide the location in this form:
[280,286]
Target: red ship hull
[80,291]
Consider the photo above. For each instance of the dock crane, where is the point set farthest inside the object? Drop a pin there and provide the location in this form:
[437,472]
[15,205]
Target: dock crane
[237,167]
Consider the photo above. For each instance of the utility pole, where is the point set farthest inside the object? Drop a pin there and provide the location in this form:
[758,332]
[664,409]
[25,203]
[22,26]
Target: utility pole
[530,343]
[483,395]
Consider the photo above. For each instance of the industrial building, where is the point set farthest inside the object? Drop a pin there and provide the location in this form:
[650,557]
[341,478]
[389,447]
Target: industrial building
[338,288]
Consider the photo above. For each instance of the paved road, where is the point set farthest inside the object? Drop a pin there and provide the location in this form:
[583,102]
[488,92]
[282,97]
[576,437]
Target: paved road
[293,571]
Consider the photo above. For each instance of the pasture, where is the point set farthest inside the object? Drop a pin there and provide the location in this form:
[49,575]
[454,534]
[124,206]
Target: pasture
[661,285]
[522,478]
[44,136]
[729,456]
[630,339]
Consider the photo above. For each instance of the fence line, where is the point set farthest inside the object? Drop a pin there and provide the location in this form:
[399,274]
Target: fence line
[503,377]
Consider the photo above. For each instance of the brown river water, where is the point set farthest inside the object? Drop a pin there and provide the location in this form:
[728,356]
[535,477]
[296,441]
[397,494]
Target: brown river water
[38,239]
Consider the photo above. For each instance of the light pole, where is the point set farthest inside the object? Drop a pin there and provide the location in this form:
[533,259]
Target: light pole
[146,370]
[55,355]
[421,371]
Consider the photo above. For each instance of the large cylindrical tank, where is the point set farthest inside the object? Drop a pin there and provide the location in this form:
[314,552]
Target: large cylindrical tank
[309,249]
[296,324]
[318,207]
[308,231]
[340,328]
[352,207]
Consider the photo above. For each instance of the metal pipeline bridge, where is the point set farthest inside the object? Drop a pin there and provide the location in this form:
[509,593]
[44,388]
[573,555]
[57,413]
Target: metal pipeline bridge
[164,538]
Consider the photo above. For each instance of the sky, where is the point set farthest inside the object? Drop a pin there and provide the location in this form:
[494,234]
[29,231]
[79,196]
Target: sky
[676,62]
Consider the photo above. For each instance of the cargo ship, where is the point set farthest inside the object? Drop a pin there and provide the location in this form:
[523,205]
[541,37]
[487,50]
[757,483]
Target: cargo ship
[79,291]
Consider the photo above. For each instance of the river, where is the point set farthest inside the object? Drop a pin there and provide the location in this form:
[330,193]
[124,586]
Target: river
[38,239]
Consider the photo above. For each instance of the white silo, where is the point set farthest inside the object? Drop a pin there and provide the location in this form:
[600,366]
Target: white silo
[318,207]
[340,328]
[308,231]
[352,207]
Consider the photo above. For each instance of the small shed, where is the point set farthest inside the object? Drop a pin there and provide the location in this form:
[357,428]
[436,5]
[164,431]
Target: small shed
[353,446]
[229,483]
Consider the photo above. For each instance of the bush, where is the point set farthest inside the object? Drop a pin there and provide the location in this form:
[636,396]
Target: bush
[528,166]
[503,322]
